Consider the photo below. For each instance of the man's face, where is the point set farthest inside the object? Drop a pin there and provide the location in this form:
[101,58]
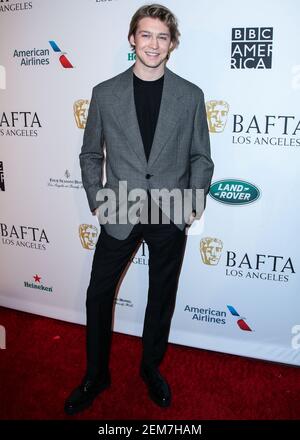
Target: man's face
[152,42]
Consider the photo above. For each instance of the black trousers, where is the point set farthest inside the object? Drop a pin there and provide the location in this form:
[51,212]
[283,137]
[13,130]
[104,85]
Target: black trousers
[166,244]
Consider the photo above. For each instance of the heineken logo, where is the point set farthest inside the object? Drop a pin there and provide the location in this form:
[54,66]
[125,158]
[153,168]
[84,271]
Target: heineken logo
[234,192]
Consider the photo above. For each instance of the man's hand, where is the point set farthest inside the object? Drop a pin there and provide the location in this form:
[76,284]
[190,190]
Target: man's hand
[96,212]
[191,218]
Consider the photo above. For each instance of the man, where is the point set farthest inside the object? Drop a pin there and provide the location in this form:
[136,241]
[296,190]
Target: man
[153,124]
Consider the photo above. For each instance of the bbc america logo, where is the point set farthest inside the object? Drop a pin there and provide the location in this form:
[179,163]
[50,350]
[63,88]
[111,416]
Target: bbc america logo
[251,48]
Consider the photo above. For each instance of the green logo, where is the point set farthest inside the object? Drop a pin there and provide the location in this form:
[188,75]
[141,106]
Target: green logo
[234,192]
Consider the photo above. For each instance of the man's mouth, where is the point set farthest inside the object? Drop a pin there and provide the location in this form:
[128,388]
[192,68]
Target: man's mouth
[152,54]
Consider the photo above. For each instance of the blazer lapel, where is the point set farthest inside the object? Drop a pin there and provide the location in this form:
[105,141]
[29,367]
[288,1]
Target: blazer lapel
[169,113]
[126,115]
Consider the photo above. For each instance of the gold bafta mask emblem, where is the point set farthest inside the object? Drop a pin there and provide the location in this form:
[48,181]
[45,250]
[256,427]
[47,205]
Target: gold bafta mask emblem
[81,108]
[211,250]
[217,112]
[88,236]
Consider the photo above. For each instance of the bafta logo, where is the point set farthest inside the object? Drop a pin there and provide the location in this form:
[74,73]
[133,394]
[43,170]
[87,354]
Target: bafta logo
[211,249]
[217,112]
[80,108]
[88,236]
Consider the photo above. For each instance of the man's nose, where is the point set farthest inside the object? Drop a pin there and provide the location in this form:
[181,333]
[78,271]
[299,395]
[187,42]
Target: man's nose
[154,42]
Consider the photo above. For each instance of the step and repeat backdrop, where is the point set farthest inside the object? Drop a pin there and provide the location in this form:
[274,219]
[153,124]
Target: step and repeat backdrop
[239,287]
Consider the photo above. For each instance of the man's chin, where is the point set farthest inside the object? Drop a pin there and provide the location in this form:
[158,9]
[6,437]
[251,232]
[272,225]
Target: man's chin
[153,66]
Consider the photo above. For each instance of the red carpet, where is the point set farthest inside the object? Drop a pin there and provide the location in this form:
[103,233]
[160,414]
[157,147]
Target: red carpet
[44,360]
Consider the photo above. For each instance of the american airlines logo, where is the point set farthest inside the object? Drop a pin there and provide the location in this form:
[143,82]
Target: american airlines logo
[241,323]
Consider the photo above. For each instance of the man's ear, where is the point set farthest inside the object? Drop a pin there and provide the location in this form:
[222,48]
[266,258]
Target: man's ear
[132,40]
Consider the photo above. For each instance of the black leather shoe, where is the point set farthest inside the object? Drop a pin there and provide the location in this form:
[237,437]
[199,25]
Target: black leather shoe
[159,389]
[83,396]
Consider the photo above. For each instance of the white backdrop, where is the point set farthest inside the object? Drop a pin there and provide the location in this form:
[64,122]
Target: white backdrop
[239,287]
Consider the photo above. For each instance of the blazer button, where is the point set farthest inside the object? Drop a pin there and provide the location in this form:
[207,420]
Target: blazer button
[148,176]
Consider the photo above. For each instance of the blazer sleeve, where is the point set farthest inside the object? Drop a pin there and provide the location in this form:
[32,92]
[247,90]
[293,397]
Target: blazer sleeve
[201,164]
[92,154]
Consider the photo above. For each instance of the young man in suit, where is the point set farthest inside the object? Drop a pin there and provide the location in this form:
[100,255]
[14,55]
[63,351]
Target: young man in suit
[154,127]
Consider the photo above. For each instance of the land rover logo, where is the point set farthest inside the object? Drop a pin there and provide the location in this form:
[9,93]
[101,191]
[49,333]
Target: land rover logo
[234,192]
